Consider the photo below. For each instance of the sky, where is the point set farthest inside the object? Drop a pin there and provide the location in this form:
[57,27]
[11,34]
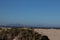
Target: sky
[43,12]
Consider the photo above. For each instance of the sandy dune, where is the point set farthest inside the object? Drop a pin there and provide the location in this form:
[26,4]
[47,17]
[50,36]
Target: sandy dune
[53,34]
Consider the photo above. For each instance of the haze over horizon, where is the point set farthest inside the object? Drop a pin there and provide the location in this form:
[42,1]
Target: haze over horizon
[39,12]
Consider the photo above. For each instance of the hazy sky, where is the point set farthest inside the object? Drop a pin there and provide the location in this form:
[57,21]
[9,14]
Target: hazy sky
[30,12]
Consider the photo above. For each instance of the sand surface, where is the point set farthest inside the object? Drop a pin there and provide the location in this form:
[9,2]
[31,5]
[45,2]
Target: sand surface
[53,34]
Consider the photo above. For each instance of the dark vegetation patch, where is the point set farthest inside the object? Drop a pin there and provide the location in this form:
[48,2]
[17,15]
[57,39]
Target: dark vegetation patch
[21,34]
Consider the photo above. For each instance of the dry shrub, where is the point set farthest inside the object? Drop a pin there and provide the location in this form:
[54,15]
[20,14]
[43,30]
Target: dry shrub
[20,34]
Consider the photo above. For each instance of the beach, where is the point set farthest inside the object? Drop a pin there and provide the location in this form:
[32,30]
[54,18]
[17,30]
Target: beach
[53,34]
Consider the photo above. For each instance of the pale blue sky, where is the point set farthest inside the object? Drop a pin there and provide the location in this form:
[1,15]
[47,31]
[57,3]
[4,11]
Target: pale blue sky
[30,12]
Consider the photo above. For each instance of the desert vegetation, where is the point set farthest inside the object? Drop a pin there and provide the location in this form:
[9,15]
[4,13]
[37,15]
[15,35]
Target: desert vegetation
[20,34]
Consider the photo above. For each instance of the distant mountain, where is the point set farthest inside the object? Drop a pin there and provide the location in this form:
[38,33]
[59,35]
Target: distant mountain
[14,25]
[32,26]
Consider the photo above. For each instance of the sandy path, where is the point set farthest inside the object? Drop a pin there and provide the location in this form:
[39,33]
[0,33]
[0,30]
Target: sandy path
[53,34]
